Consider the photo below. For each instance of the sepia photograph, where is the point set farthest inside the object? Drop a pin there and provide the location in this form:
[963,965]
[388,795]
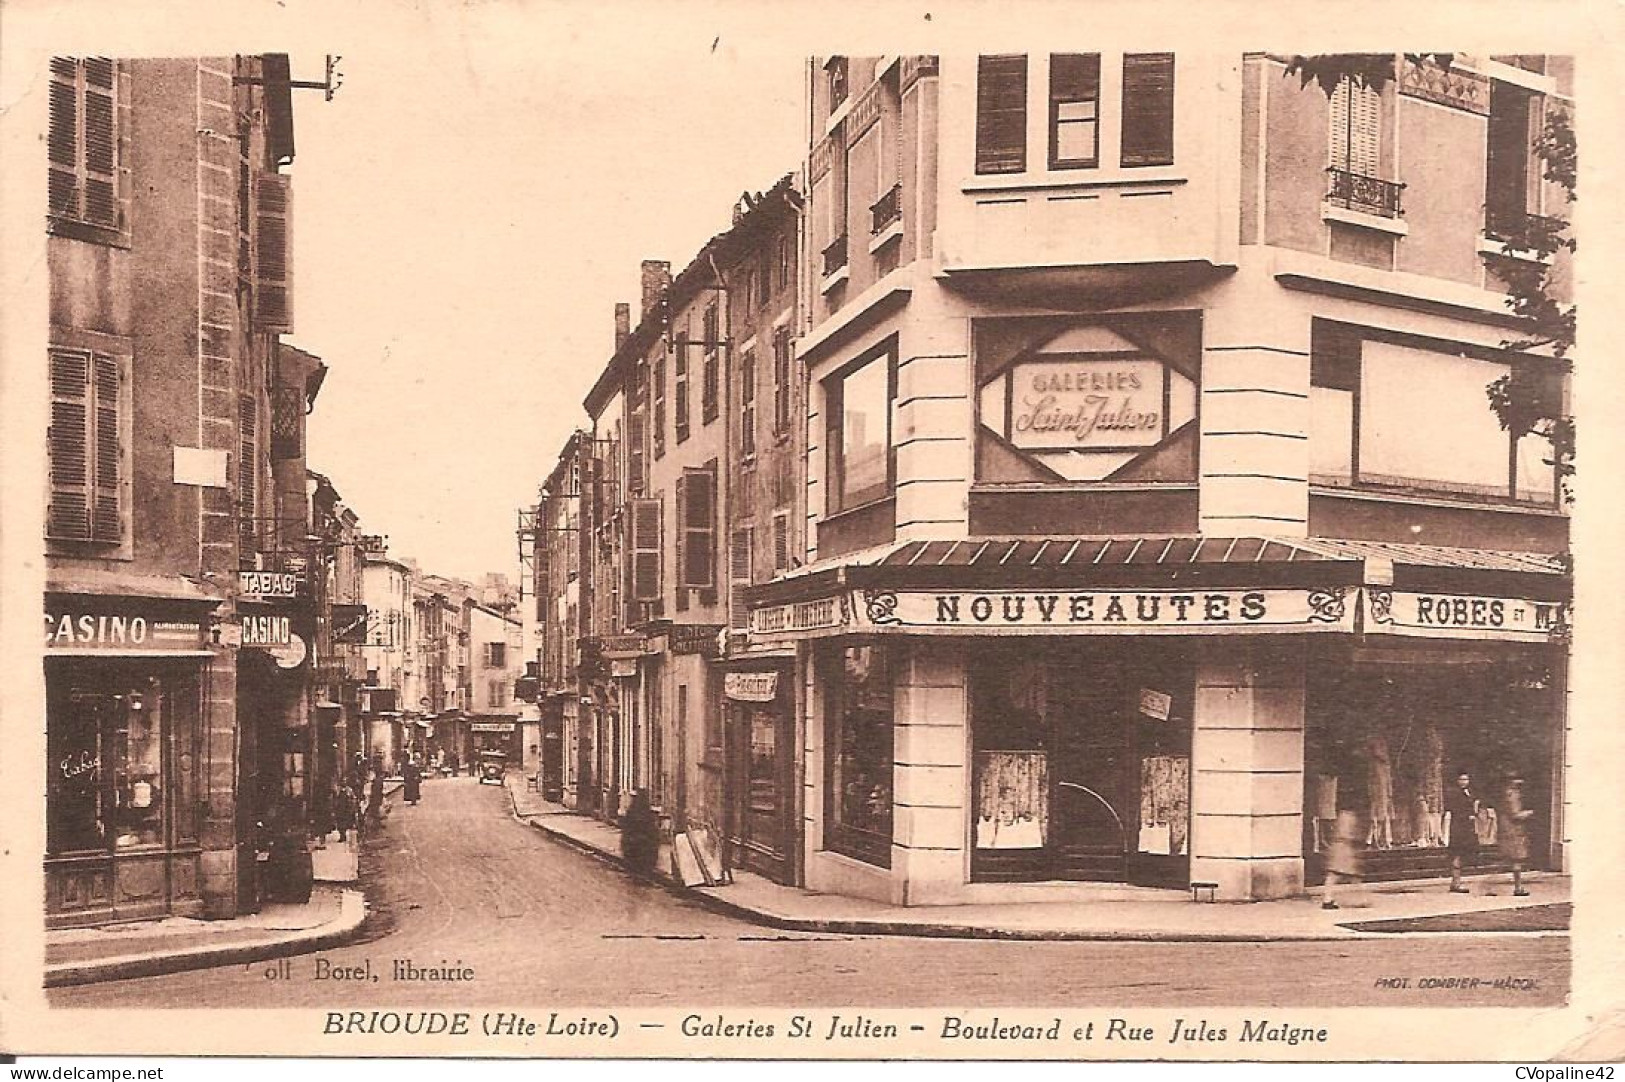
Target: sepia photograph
[729,543]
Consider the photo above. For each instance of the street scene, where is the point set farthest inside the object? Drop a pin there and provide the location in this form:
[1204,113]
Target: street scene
[1047,529]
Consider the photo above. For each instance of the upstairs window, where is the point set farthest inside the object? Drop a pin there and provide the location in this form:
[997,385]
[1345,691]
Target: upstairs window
[1148,109]
[747,404]
[87,447]
[1074,110]
[82,141]
[680,392]
[1508,151]
[1001,114]
[496,655]
[710,366]
[860,453]
[835,72]
[659,395]
[781,381]
[1353,136]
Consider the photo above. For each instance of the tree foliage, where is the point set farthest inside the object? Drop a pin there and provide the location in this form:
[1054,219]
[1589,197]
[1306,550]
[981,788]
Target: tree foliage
[1528,399]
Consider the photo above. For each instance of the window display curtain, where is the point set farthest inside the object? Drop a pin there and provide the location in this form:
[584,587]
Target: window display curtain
[1012,800]
[1165,804]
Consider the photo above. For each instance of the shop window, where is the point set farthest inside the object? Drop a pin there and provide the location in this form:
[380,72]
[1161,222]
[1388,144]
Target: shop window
[1001,114]
[107,782]
[1009,708]
[859,404]
[1074,111]
[858,757]
[1148,109]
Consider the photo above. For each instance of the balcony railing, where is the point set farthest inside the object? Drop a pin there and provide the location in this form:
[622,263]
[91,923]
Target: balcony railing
[1370,195]
[835,255]
[1520,228]
[886,210]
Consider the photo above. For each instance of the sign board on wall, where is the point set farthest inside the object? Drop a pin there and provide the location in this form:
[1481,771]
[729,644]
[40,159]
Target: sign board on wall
[751,687]
[266,630]
[1156,704]
[1097,612]
[67,631]
[1087,404]
[267,584]
[491,727]
[1460,616]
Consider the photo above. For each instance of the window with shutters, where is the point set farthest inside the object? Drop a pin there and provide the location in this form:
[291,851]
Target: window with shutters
[1354,138]
[644,565]
[1001,114]
[634,454]
[747,404]
[496,693]
[658,421]
[710,365]
[680,389]
[273,279]
[781,382]
[1074,110]
[781,541]
[496,655]
[1148,109]
[248,474]
[697,508]
[83,143]
[88,443]
[739,576]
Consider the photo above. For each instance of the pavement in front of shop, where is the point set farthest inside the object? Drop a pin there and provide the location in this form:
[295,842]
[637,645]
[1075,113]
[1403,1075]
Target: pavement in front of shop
[1101,911]
[334,915]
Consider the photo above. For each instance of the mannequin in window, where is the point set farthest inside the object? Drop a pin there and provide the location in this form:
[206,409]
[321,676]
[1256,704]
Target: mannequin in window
[1380,788]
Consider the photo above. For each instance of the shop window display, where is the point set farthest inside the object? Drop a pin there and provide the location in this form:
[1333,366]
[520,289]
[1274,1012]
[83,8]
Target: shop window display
[860,758]
[1384,742]
[107,778]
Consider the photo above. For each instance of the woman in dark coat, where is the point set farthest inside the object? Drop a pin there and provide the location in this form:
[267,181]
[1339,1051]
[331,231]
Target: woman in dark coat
[412,775]
[1462,807]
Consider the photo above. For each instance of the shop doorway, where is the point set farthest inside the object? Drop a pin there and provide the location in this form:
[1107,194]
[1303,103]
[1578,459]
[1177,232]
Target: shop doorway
[1081,765]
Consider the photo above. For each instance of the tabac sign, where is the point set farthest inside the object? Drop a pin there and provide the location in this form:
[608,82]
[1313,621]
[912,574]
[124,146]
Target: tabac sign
[1105,612]
[267,585]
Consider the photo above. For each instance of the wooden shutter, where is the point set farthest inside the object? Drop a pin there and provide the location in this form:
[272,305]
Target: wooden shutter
[101,145]
[108,524]
[739,575]
[248,462]
[645,560]
[1148,109]
[781,541]
[273,269]
[1001,114]
[634,453]
[1355,136]
[698,505]
[781,381]
[1507,158]
[69,440]
[62,140]
[747,404]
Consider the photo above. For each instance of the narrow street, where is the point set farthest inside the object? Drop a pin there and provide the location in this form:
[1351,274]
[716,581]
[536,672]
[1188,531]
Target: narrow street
[456,882]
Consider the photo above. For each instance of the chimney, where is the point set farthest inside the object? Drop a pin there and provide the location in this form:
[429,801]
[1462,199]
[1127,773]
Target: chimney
[656,277]
[623,323]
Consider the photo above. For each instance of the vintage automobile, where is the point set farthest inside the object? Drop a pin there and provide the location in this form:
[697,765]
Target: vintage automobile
[493,764]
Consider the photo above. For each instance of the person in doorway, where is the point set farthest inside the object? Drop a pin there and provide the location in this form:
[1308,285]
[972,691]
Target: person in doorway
[1342,856]
[344,806]
[1461,807]
[321,813]
[1514,832]
[412,775]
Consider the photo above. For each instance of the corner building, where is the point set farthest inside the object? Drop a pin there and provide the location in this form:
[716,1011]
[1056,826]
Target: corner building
[1155,512]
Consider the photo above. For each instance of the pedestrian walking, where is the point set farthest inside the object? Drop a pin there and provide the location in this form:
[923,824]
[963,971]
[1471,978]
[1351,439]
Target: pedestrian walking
[412,775]
[321,813]
[1514,832]
[344,810]
[1461,807]
[640,835]
[1342,857]
[375,793]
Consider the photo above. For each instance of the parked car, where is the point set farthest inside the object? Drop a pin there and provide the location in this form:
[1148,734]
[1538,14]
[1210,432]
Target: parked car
[493,765]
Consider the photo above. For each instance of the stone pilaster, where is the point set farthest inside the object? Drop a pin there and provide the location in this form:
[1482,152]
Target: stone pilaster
[930,780]
[1247,762]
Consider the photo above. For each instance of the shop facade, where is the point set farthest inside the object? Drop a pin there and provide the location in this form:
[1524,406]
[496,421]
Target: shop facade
[128,714]
[763,812]
[990,715]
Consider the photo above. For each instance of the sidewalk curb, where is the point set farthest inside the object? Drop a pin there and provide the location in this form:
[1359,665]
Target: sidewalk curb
[922,930]
[352,918]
